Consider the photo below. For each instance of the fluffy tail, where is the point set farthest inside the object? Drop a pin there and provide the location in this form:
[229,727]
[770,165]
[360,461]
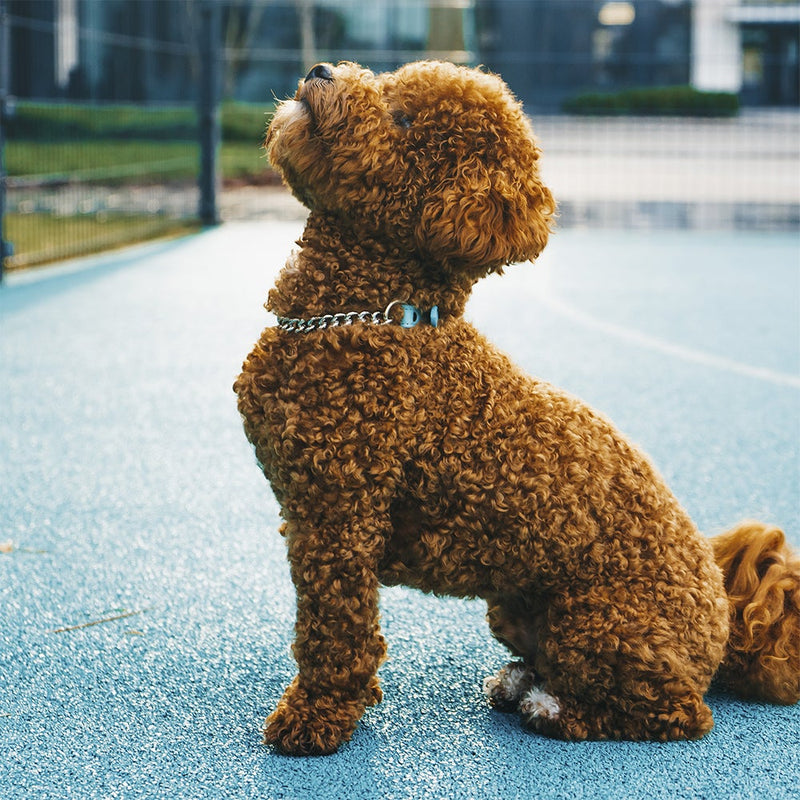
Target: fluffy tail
[762,579]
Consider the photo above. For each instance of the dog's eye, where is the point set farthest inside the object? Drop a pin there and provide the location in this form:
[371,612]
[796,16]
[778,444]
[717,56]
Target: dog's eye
[402,120]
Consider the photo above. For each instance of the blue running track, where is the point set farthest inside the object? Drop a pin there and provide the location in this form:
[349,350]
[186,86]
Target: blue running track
[146,609]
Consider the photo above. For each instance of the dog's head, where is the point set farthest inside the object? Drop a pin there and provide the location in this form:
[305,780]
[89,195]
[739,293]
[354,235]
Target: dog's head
[437,158]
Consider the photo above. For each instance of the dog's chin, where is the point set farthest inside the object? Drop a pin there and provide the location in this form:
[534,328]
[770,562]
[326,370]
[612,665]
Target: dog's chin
[289,112]
[289,133]
[292,148]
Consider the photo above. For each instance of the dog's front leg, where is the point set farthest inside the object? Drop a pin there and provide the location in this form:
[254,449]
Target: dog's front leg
[338,645]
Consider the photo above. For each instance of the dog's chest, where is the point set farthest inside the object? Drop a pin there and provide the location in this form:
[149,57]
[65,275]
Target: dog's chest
[310,401]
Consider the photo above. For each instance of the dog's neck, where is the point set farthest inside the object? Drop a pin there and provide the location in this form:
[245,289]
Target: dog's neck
[340,270]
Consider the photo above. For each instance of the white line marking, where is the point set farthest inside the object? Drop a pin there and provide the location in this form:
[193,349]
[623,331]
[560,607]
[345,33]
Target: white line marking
[546,296]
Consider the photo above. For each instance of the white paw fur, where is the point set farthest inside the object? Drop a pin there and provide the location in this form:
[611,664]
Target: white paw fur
[508,685]
[537,704]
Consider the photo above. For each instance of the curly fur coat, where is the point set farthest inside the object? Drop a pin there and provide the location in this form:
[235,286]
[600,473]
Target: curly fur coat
[420,455]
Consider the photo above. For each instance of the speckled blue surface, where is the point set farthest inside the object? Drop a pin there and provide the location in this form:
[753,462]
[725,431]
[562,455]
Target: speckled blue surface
[126,485]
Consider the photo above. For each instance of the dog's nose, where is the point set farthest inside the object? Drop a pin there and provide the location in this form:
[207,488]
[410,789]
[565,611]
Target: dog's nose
[321,71]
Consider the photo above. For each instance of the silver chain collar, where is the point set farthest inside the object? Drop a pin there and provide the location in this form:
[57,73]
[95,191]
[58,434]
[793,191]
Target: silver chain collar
[295,325]
[411,317]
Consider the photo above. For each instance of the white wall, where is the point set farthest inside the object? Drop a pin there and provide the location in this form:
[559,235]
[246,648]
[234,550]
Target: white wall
[716,46]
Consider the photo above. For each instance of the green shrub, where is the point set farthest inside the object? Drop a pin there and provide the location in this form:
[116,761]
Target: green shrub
[684,101]
[244,122]
[64,122]
[57,122]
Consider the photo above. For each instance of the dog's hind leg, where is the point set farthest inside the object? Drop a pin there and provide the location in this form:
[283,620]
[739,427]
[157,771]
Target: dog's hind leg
[607,675]
[667,718]
[513,623]
[506,689]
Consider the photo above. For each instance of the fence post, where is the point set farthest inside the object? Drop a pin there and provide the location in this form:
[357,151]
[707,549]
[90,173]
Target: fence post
[208,111]
[5,248]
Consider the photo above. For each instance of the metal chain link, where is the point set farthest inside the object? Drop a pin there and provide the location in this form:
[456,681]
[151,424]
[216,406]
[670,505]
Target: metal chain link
[412,316]
[295,325]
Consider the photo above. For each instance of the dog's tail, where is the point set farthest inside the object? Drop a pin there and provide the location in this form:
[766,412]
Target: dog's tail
[762,579]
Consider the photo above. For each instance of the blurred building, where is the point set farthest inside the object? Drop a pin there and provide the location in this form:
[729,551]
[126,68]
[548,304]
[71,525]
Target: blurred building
[550,49]
[135,50]
[147,49]
[748,46]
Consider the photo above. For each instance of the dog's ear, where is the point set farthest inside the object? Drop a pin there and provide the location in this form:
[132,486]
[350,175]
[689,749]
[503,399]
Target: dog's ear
[484,218]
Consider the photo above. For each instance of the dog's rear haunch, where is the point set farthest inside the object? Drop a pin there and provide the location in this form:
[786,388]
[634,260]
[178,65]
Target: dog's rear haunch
[404,448]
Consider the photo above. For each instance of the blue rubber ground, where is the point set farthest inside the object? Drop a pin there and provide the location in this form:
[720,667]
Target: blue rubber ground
[126,485]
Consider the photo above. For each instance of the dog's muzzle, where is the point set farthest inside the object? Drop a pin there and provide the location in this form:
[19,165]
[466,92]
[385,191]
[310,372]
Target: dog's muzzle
[321,72]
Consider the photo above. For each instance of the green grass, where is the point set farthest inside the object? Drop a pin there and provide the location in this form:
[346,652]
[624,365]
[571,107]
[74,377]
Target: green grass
[127,161]
[126,144]
[50,144]
[42,238]
[244,160]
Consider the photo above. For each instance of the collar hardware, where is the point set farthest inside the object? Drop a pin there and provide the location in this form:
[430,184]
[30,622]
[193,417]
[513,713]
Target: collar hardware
[412,316]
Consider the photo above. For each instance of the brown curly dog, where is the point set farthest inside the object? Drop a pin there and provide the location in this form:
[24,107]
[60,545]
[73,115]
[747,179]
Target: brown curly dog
[403,448]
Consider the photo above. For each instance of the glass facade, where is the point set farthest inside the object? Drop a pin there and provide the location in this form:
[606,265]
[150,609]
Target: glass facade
[547,50]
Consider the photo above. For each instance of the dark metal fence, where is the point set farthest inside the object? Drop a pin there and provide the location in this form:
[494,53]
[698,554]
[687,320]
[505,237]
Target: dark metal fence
[116,131]
[4,49]
[136,194]
[83,175]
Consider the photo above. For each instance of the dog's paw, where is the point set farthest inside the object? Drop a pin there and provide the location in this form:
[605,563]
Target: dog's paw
[306,726]
[303,734]
[505,689]
[536,704]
